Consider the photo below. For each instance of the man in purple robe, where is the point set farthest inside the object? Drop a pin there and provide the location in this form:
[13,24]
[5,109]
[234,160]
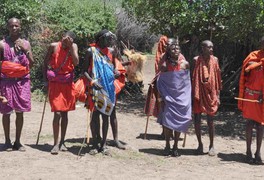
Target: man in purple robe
[15,89]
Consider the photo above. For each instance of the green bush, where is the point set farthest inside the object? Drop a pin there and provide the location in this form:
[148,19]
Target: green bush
[43,22]
[84,17]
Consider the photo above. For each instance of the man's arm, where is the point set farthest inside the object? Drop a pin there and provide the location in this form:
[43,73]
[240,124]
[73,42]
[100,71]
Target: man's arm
[30,56]
[87,61]
[20,44]
[184,65]
[87,58]
[219,74]
[51,48]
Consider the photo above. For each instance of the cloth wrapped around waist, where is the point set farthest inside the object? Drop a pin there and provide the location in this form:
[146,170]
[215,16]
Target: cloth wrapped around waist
[62,78]
[13,70]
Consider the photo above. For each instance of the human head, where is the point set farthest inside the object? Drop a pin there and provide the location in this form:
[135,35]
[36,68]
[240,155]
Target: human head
[68,38]
[14,26]
[207,47]
[261,42]
[105,38]
[173,48]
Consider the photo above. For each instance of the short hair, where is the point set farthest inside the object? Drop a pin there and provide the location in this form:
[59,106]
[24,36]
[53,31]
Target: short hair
[172,41]
[70,34]
[205,42]
[13,19]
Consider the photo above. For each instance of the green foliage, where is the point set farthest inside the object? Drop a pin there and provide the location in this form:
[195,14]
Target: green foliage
[84,17]
[27,11]
[44,20]
[235,20]
[234,26]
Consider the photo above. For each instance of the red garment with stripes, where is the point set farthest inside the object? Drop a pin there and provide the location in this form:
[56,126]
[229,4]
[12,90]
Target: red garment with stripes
[206,93]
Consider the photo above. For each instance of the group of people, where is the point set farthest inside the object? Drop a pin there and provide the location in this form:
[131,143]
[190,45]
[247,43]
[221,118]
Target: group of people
[102,70]
[179,94]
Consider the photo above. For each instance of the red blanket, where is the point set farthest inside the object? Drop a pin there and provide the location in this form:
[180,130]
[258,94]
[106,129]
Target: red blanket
[252,110]
[206,91]
[13,70]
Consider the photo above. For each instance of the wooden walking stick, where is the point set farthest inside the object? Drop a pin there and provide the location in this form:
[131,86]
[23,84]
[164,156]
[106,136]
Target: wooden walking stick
[41,122]
[248,100]
[89,116]
[184,140]
[146,128]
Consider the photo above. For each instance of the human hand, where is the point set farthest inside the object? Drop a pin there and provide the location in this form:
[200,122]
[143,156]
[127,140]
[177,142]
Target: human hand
[45,86]
[116,74]
[96,85]
[69,42]
[184,65]
[19,45]
[3,99]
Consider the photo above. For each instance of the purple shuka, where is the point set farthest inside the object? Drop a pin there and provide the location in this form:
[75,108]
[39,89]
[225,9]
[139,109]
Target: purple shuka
[175,90]
[16,91]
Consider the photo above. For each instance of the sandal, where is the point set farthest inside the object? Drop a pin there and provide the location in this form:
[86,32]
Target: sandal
[211,151]
[8,147]
[167,151]
[55,150]
[119,145]
[258,160]
[93,152]
[199,150]
[19,147]
[105,151]
[63,147]
[175,153]
[249,158]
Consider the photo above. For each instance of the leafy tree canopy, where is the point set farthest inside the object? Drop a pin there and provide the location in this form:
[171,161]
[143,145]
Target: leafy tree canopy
[221,19]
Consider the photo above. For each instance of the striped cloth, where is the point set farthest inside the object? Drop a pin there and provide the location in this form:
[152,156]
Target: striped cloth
[206,93]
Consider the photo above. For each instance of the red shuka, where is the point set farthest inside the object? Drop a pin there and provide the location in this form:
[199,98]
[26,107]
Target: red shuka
[252,82]
[61,95]
[206,93]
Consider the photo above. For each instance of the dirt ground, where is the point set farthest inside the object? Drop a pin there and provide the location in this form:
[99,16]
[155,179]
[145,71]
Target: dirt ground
[142,159]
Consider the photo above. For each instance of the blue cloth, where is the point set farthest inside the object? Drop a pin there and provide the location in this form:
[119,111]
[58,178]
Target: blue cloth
[103,71]
[175,90]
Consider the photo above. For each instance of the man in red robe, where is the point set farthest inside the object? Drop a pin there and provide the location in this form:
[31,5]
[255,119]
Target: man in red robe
[58,69]
[251,90]
[206,86]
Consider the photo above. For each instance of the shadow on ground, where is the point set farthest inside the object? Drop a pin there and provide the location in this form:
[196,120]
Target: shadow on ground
[237,157]
[229,122]
[160,152]
[132,103]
